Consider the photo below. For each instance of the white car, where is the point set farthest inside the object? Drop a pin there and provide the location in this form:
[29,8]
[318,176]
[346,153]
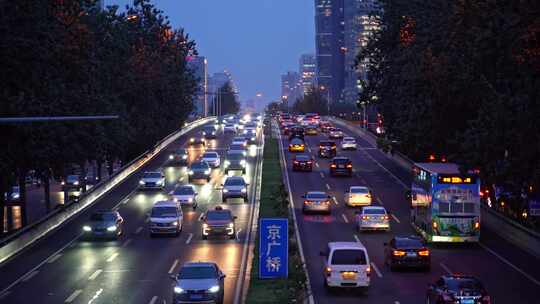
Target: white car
[358,196]
[152,180]
[237,148]
[373,218]
[241,140]
[185,195]
[166,217]
[235,187]
[348,143]
[346,266]
[212,158]
[229,128]
[335,133]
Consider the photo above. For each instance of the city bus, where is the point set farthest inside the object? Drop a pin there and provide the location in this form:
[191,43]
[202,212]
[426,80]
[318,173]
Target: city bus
[445,204]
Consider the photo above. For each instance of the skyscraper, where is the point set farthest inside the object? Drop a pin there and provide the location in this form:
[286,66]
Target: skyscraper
[291,88]
[199,66]
[308,70]
[215,83]
[361,22]
[329,28]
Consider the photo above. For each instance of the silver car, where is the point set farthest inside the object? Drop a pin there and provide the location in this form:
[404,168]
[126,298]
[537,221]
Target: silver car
[199,282]
[152,180]
[166,217]
[316,201]
[373,218]
[212,158]
[235,187]
[185,195]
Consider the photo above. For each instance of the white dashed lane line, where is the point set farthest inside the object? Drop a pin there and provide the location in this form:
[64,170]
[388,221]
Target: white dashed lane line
[189,238]
[153,300]
[377,271]
[30,276]
[328,186]
[138,230]
[344,218]
[127,242]
[322,174]
[95,275]
[175,263]
[73,296]
[317,165]
[112,257]
[54,258]
[448,271]
[395,218]
[356,238]
[335,200]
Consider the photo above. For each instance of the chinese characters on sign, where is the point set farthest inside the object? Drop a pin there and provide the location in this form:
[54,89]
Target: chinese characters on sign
[273,248]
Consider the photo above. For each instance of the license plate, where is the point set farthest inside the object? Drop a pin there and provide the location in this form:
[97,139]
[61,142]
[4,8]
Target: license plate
[348,276]
[341,166]
[411,254]
[196,297]
[467,301]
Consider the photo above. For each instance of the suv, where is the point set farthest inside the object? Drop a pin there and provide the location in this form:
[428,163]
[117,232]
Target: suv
[238,148]
[348,143]
[235,187]
[235,161]
[346,266]
[457,289]
[407,251]
[199,282]
[327,148]
[152,180]
[199,170]
[179,157]
[166,217]
[341,166]
[219,222]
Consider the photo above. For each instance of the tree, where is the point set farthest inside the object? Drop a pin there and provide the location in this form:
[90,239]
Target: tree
[313,101]
[227,98]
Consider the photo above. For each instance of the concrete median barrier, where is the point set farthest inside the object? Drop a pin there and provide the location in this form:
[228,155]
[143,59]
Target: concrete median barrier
[16,243]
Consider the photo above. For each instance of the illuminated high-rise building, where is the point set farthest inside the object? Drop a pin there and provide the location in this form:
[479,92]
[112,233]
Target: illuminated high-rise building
[308,71]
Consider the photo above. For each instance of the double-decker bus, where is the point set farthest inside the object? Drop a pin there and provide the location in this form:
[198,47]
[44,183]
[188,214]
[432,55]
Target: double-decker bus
[445,204]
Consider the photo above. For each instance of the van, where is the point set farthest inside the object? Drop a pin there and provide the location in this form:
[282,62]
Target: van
[346,266]
[166,217]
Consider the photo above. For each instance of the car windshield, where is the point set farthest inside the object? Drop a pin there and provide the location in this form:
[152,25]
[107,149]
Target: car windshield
[199,165]
[197,272]
[184,191]
[359,190]
[234,182]
[235,156]
[296,142]
[349,257]
[463,283]
[373,211]
[218,216]
[316,195]
[210,155]
[209,129]
[236,147]
[408,243]
[348,139]
[152,175]
[98,217]
[302,157]
[164,212]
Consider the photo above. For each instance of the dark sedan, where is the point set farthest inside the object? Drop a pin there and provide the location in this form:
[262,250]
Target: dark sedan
[104,224]
[179,157]
[341,166]
[407,251]
[302,162]
[462,289]
[327,148]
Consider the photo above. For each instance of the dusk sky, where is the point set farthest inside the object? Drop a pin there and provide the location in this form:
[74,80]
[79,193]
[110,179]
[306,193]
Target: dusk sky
[256,40]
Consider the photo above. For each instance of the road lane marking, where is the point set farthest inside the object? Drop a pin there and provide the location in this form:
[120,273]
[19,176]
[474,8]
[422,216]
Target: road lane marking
[138,230]
[5,294]
[386,170]
[201,217]
[147,220]
[335,200]
[317,165]
[322,174]
[356,238]
[328,186]
[395,218]
[30,276]
[396,302]
[126,242]
[504,260]
[445,268]
[189,238]
[112,257]
[238,234]
[95,275]
[54,258]
[344,218]
[73,296]
[309,149]
[379,200]
[377,271]
[153,300]
[175,263]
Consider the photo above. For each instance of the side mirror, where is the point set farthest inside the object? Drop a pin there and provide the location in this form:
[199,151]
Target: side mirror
[247,184]
[196,193]
[148,215]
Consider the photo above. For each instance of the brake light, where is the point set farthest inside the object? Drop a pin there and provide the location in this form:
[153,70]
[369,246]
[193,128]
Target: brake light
[385,217]
[398,253]
[306,202]
[368,271]
[435,225]
[368,195]
[349,166]
[296,162]
[477,225]
[332,166]
[423,253]
[320,147]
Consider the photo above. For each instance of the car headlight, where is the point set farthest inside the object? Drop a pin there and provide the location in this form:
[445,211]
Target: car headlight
[76,183]
[243,162]
[214,289]
[244,153]
[231,225]
[111,228]
[178,289]
[159,182]
[253,138]
[205,226]
[244,190]
[192,139]
[184,156]
[175,223]
[171,156]
[190,172]
[141,182]
[63,183]
[190,200]
[207,172]
[225,190]
[87,228]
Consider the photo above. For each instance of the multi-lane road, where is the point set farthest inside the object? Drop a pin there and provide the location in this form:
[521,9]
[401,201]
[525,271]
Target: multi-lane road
[509,274]
[135,269]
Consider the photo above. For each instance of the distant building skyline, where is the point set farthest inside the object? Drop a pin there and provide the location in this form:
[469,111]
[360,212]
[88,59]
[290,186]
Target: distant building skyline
[308,72]
[199,66]
[291,87]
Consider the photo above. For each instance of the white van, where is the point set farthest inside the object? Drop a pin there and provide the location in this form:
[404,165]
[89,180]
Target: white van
[166,217]
[346,266]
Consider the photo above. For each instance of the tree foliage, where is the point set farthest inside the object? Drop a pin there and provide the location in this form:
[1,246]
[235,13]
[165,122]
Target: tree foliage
[68,58]
[229,101]
[314,101]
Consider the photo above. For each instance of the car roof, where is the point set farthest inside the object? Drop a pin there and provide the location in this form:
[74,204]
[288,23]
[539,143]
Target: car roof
[327,142]
[407,237]
[165,204]
[346,245]
[105,212]
[152,172]
[316,192]
[359,187]
[459,276]
[199,264]
[297,156]
[296,139]
[348,138]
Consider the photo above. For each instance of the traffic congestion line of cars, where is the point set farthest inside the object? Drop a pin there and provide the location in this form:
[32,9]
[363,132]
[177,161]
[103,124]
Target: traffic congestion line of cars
[196,282]
[346,264]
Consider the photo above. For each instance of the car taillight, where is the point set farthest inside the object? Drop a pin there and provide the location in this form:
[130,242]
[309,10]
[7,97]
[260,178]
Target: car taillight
[349,166]
[368,195]
[398,253]
[328,271]
[296,162]
[477,225]
[435,225]
[332,166]
[306,202]
[423,253]
[368,271]
[385,217]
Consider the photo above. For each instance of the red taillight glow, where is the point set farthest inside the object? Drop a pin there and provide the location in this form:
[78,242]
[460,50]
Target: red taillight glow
[368,271]
[306,202]
[398,253]
[423,253]
[349,166]
[332,165]
[477,225]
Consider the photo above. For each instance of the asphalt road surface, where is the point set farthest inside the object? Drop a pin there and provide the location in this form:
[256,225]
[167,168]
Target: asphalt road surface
[509,274]
[135,269]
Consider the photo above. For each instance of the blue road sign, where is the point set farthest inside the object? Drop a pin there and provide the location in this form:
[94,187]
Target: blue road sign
[534,207]
[273,248]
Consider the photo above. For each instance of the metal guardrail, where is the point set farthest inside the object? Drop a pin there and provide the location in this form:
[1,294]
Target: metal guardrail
[15,243]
